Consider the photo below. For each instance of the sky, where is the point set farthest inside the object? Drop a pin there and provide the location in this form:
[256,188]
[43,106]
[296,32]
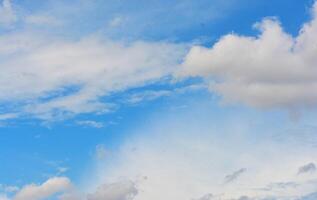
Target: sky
[158,99]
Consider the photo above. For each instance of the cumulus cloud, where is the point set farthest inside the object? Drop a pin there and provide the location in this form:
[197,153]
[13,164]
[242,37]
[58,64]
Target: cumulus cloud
[43,191]
[271,70]
[7,14]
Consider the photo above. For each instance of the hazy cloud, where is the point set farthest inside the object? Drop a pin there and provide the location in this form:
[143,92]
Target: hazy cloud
[7,14]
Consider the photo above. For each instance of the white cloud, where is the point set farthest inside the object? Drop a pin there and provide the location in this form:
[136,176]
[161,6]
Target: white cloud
[43,191]
[149,95]
[90,123]
[272,70]
[7,14]
[52,77]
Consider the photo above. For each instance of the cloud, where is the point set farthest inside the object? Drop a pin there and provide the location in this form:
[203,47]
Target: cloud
[271,70]
[188,157]
[309,168]
[206,197]
[42,19]
[149,95]
[280,186]
[8,116]
[117,21]
[235,175]
[54,77]
[90,123]
[125,190]
[8,189]
[45,190]
[7,14]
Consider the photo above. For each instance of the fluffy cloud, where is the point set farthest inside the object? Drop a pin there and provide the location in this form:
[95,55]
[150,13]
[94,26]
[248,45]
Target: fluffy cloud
[43,191]
[272,70]
[48,76]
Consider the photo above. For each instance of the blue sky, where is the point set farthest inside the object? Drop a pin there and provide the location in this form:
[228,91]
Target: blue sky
[138,100]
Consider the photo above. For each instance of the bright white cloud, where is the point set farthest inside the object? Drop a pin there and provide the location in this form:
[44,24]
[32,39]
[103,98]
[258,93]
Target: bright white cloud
[272,70]
[43,191]
[7,14]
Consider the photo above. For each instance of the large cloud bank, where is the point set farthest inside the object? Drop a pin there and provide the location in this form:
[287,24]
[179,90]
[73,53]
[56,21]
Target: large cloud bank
[49,76]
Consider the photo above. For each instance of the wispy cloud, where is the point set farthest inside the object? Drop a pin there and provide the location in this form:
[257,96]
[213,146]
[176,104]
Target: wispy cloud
[235,175]
[42,19]
[90,123]
[95,66]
